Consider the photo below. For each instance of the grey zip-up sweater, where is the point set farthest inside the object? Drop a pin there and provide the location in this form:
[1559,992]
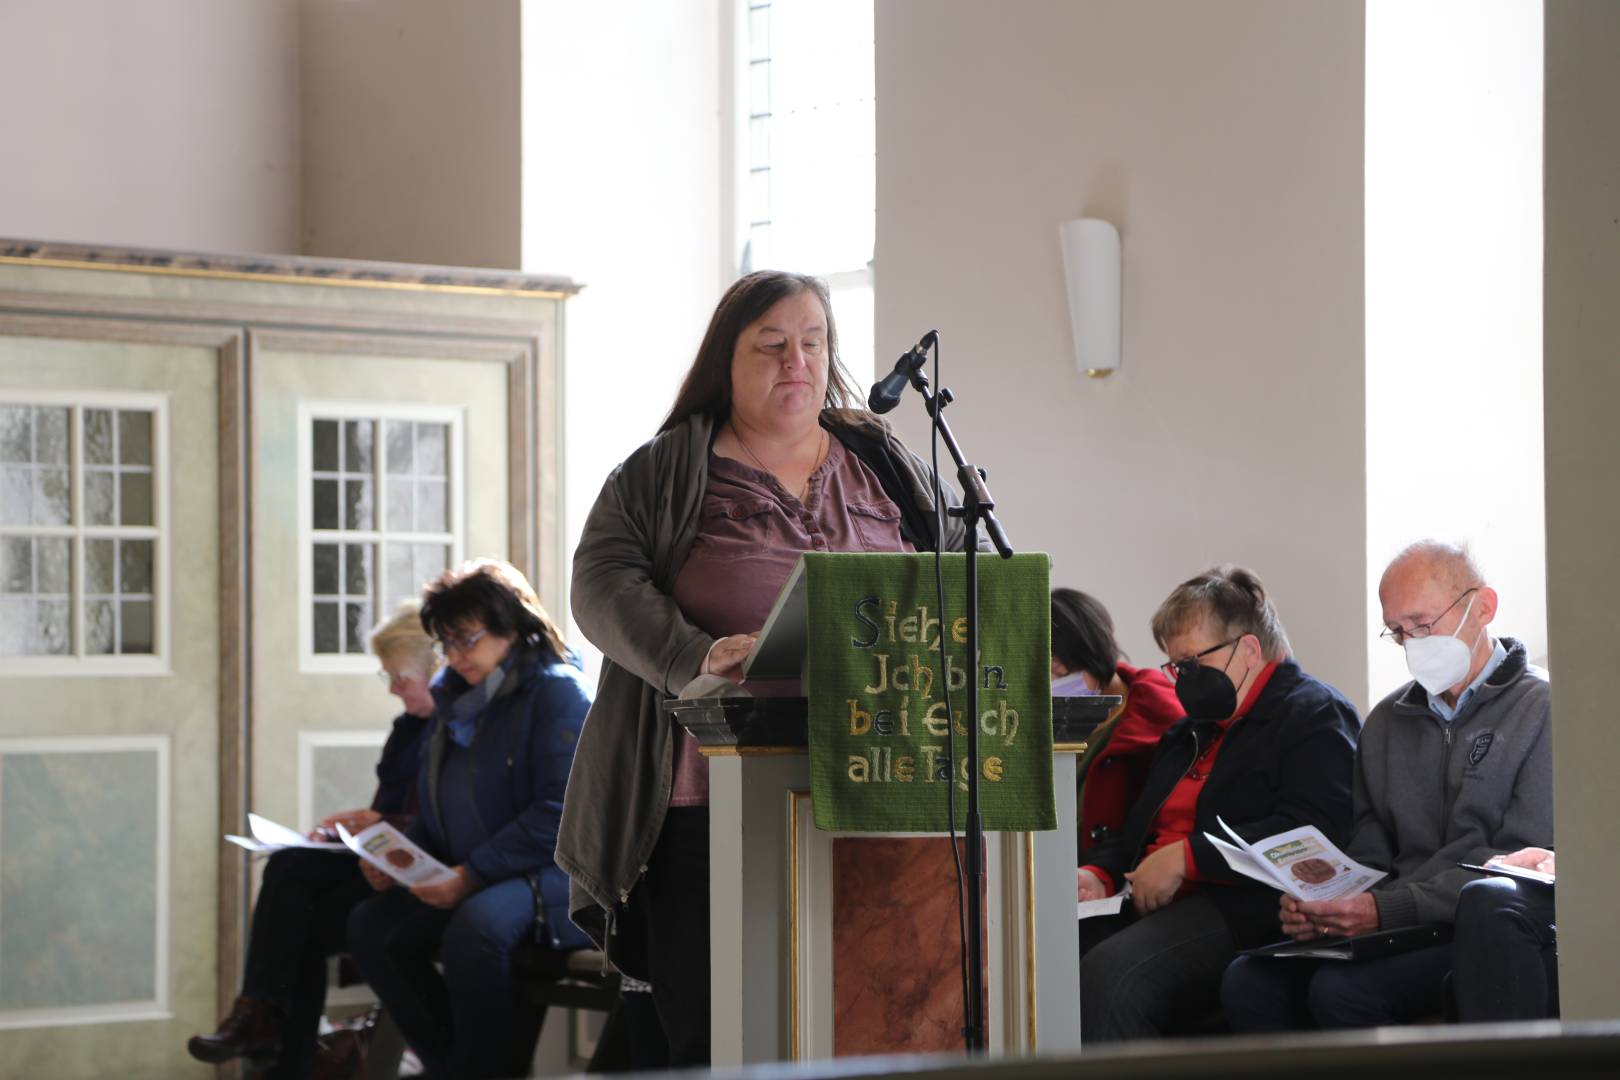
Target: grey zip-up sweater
[634,542]
[1430,794]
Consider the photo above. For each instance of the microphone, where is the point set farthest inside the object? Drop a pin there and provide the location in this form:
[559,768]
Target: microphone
[887,391]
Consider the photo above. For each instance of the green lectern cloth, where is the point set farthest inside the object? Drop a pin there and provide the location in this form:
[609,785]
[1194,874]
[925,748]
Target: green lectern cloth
[879,660]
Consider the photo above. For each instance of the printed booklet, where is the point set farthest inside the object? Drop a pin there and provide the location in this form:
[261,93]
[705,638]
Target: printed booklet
[1301,862]
[386,848]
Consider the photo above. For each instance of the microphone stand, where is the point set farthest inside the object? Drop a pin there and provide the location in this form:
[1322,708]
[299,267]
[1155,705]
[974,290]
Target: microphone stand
[976,509]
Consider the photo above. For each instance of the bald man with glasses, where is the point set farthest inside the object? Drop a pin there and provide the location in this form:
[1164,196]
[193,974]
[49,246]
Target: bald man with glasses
[1453,767]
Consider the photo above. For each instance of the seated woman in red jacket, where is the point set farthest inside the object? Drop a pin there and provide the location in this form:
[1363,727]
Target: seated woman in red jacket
[1087,660]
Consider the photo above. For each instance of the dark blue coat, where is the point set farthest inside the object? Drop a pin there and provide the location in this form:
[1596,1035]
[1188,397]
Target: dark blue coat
[523,749]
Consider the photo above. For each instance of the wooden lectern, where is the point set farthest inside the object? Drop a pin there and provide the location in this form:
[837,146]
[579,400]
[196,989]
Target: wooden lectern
[826,944]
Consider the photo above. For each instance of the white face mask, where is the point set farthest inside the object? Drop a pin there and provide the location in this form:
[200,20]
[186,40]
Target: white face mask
[1439,663]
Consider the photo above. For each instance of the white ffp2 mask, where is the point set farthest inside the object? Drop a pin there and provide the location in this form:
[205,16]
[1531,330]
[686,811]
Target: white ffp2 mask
[1439,663]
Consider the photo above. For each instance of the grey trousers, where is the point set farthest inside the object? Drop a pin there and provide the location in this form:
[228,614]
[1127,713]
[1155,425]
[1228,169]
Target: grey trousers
[1148,977]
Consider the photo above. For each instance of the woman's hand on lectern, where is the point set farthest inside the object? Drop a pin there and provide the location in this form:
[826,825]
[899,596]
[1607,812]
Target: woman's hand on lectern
[726,656]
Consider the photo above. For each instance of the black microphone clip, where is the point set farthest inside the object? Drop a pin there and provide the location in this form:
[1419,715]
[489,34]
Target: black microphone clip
[887,391]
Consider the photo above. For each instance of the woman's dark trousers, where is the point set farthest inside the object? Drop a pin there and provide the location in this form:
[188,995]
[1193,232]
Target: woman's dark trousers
[462,1023]
[298,921]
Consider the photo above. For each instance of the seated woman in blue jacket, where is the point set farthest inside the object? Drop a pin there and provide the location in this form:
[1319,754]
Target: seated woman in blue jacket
[508,708]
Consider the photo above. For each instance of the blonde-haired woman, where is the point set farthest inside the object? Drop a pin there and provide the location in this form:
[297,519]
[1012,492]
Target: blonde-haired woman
[304,903]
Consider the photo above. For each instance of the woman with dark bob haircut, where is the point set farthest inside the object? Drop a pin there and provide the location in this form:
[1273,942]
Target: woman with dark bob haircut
[508,706]
[1087,660]
[763,456]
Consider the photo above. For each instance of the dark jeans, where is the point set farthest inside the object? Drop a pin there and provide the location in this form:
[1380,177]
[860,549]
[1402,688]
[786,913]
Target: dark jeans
[1147,977]
[462,1023]
[673,901]
[298,921]
[1263,994]
[1504,959]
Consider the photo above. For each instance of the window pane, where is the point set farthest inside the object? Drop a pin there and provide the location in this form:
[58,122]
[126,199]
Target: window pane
[326,627]
[135,562]
[759,247]
[432,510]
[400,458]
[51,505]
[759,88]
[16,433]
[759,195]
[325,509]
[357,569]
[134,437]
[357,623]
[51,435]
[357,446]
[16,495]
[136,629]
[429,560]
[98,437]
[759,33]
[98,568]
[98,497]
[100,635]
[15,615]
[401,503]
[135,498]
[326,445]
[53,631]
[16,564]
[53,557]
[400,580]
[357,504]
[326,569]
[759,142]
[430,449]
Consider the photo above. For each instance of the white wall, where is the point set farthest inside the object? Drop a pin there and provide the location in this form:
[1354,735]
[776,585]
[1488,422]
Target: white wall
[1583,515]
[621,191]
[1225,141]
[411,131]
[1454,445]
[164,123]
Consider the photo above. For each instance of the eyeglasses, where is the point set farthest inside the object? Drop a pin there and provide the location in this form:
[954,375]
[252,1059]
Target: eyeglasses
[443,646]
[1177,668]
[1421,630]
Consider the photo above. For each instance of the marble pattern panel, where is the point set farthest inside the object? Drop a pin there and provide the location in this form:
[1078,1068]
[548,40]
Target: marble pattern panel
[897,947]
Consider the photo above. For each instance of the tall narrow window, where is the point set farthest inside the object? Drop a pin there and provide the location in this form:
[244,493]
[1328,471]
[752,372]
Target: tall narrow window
[81,534]
[808,176]
[382,518]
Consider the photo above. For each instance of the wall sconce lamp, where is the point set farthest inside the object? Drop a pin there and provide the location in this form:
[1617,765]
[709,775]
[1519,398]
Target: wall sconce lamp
[1091,270]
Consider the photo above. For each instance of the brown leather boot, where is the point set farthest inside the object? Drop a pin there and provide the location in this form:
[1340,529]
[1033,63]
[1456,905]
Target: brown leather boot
[252,1031]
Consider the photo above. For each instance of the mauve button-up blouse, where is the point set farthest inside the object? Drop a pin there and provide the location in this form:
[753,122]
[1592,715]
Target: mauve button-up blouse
[751,535]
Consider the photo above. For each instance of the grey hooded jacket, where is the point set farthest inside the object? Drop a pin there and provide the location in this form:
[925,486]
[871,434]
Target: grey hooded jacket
[635,540]
[1429,794]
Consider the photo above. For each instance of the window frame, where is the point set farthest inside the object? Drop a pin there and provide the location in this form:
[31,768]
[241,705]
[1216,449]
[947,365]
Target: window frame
[159,661]
[311,662]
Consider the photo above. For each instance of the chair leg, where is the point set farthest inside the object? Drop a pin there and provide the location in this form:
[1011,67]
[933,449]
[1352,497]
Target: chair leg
[387,1048]
[530,1019]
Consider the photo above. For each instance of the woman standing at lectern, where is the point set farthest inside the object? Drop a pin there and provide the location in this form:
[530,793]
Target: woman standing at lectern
[763,457]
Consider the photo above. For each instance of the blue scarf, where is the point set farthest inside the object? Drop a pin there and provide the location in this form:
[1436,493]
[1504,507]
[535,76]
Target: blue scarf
[466,709]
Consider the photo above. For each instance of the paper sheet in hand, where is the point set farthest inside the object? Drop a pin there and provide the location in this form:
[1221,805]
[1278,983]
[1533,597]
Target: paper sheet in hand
[270,836]
[1301,862]
[1108,905]
[1517,873]
[388,849]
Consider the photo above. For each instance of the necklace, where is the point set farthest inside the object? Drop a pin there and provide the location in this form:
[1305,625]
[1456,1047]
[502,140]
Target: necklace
[804,489]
